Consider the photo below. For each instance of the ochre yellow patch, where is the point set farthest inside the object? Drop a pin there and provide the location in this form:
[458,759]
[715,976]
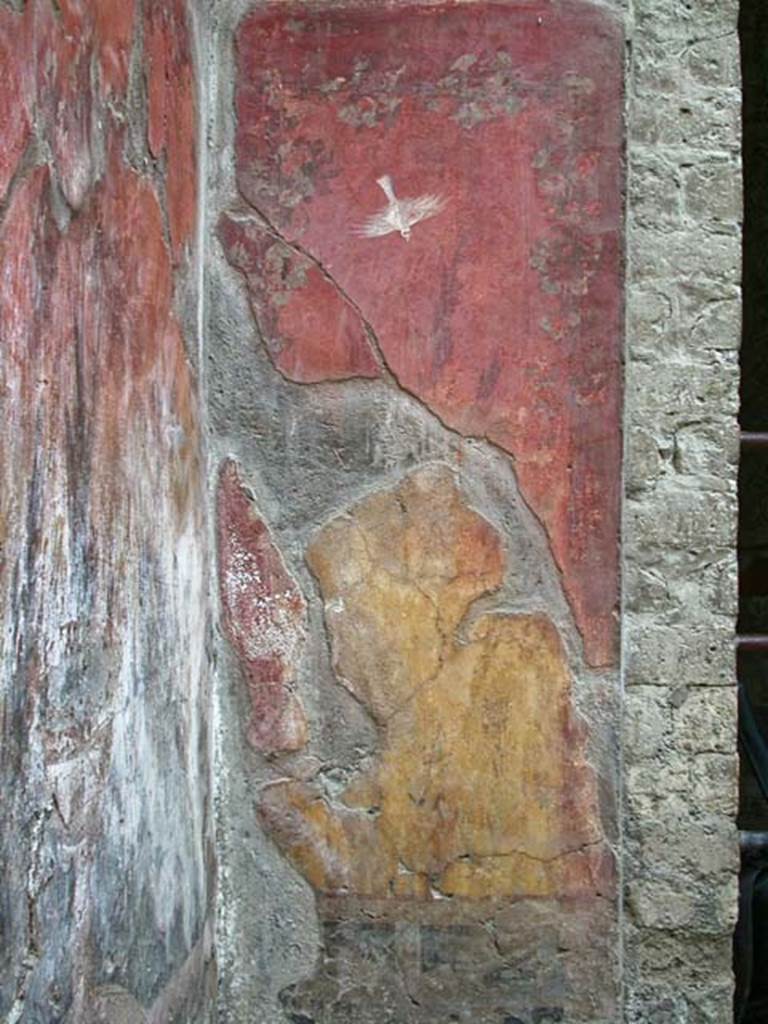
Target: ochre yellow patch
[480,788]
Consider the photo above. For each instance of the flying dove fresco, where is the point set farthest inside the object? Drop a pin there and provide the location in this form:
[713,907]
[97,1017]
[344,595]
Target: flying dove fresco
[400,214]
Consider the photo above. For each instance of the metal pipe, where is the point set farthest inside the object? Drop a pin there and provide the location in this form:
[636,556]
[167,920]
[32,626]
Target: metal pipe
[754,440]
[752,642]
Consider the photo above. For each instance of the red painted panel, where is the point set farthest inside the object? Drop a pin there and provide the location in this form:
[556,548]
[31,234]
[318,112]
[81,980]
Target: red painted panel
[113,21]
[171,102]
[502,312]
[311,331]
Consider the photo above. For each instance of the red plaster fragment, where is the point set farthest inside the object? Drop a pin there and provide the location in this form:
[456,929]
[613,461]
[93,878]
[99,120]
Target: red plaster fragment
[15,30]
[503,311]
[65,43]
[83,61]
[311,331]
[172,112]
[113,21]
[156,43]
[263,617]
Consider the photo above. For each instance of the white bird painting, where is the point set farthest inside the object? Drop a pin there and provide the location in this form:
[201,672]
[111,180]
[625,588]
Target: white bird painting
[399,214]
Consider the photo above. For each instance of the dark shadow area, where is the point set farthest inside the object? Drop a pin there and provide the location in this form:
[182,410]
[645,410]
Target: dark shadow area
[751,940]
[753,32]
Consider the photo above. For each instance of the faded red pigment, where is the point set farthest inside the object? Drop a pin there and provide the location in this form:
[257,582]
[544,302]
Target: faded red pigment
[311,331]
[63,343]
[16,87]
[171,102]
[102,521]
[502,313]
[263,616]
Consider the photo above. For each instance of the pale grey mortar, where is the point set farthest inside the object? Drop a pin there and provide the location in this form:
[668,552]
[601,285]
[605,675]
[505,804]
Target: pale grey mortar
[680,853]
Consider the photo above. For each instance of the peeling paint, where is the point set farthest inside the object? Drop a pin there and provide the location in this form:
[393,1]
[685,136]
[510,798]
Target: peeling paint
[105,831]
[480,789]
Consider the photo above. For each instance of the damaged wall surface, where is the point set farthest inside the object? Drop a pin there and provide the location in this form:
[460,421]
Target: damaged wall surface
[360,381]
[418,379]
[105,822]
[418,511]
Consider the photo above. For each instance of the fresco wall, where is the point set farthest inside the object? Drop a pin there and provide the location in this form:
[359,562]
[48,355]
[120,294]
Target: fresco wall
[415,385]
[412,317]
[105,835]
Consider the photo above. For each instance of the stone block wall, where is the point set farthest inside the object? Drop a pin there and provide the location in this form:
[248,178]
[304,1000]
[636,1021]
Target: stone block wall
[683,328]
[105,820]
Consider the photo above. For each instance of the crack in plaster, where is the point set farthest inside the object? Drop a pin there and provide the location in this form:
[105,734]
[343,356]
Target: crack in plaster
[390,377]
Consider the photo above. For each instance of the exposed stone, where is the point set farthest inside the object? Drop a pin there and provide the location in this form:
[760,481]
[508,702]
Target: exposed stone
[684,270]
[704,720]
[713,194]
[662,656]
[656,200]
[684,520]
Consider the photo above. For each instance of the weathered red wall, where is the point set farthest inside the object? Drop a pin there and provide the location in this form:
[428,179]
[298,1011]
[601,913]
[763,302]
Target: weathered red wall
[503,313]
[105,839]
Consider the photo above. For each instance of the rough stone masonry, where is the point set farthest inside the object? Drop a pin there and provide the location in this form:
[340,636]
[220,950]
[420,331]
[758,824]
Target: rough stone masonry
[446,297]
[679,763]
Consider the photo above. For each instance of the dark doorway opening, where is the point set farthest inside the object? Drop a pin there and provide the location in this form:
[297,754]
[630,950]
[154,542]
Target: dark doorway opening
[751,945]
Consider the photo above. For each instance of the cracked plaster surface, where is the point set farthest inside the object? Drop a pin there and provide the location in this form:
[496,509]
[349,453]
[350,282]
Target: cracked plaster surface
[479,787]
[503,312]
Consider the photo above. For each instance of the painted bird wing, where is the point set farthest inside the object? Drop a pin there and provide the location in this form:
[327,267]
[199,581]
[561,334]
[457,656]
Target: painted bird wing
[414,210]
[378,224]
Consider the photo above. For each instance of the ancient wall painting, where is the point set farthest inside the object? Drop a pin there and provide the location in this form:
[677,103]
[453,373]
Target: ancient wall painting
[480,788]
[429,203]
[400,215]
[107,880]
[502,313]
